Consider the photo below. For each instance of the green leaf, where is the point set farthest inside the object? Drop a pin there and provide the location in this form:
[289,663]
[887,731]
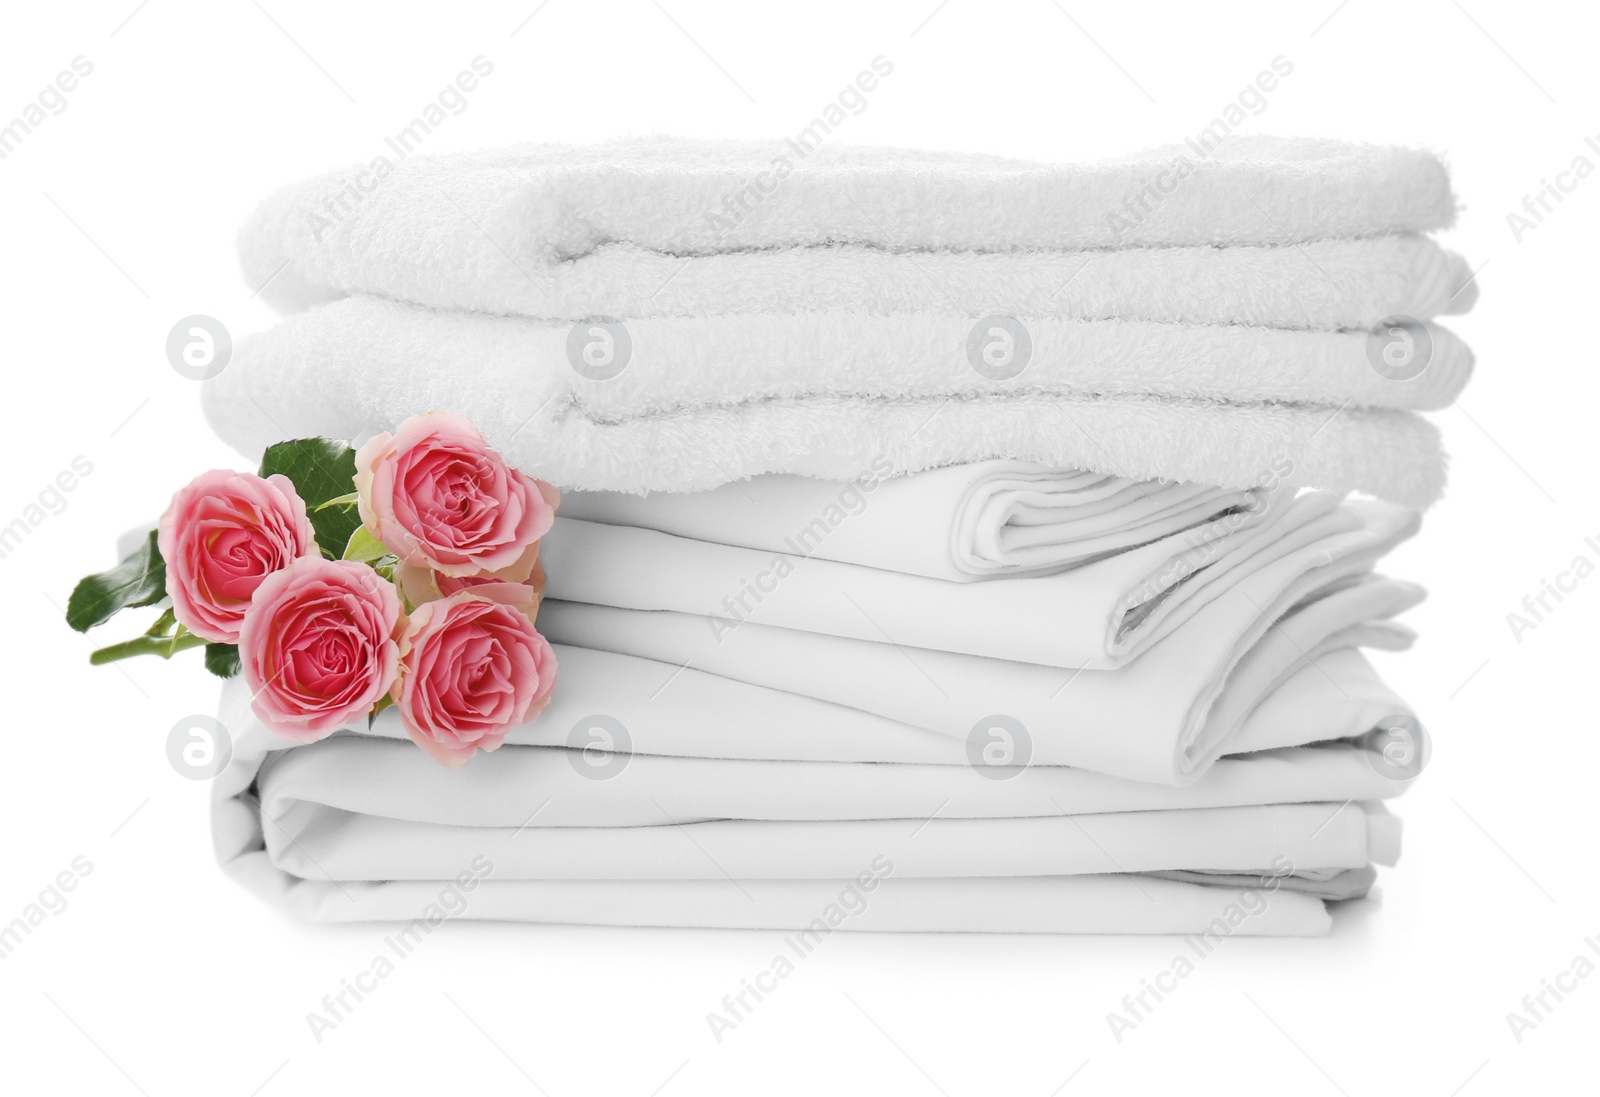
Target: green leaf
[383,702]
[222,659]
[323,472]
[140,580]
[163,625]
[364,548]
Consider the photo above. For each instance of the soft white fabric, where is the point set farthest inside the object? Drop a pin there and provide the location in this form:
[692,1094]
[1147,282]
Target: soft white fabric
[494,216]
[694,362]
[467,822]
[325,842]
[1163,718]
[1350,883]
[383,775]
[704,715]
[1323,285]
[989,519]
[801,336]
[1120,904]
[359,366]
[1100,615]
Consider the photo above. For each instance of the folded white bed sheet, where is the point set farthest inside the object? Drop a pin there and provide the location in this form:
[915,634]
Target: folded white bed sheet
[1164,718]
[1100,615]
[307,826]
[705,715]
[810,909]
[493,214]
[1320,285]
[360,366]
[533,787]
[983,520]
[325,843]
[1350,883]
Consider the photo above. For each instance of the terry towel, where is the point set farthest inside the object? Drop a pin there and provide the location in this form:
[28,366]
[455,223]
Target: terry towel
[362,365]
[681,363]
[534,206]
[1324,285]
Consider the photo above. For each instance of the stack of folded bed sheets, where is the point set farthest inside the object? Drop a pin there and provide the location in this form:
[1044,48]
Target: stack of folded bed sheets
[948,543]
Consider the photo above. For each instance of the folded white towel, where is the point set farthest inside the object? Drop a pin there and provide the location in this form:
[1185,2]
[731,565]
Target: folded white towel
[1100,615]
[677,364]
[985,520]
[360,366]
[536,205]
[1322,284]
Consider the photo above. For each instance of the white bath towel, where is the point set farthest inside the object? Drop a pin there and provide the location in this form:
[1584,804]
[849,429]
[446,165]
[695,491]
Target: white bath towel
[360,366]
[536,205]
[989,519]
[1319,285]
[1100,615]
[675,364]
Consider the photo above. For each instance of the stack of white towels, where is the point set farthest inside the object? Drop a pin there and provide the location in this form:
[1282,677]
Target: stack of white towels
[948,542]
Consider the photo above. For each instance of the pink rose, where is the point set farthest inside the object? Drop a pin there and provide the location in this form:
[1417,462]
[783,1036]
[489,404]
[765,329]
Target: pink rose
[318,647]
[221,537]
[437,496]
[472,669]
[421,585]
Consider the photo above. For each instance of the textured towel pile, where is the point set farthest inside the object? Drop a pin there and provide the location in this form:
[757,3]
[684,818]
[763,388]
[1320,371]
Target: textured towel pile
[950,543]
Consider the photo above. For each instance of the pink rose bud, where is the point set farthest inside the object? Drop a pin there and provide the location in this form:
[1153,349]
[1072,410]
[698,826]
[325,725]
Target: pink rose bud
[472,669]
[437,496]
[422,585]
[221,537]
[319,646]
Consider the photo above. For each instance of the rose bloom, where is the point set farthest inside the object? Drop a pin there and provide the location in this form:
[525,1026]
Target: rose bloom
[472,669]
[437,496]
[221,536]
[422,585]
[319,646]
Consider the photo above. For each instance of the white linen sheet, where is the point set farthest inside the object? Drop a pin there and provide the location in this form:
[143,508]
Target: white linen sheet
[989,519]
[810,909]
[322,843]
[1163,718]
[546,787]
[390,781]
[1099,616]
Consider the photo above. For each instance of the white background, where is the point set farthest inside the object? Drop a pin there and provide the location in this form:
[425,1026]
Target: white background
[118,219]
